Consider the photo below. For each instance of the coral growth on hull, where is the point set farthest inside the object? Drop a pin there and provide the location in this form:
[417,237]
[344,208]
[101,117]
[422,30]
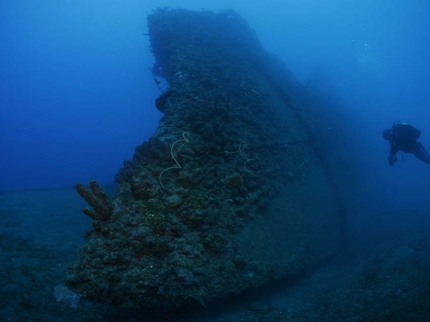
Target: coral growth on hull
[229,193]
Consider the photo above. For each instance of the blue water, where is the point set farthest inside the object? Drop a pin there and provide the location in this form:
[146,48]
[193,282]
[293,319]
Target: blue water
[77,94]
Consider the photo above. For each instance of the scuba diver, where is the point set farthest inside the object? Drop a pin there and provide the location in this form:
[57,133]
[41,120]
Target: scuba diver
[403,137]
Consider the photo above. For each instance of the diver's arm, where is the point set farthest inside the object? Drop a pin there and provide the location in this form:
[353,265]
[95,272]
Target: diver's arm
[393,149]
[392,156]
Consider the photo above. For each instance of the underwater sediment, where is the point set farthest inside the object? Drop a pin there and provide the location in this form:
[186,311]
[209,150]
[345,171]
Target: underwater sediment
[231,192]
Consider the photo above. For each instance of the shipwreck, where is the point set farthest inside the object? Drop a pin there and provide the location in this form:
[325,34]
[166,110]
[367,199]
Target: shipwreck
[233,190]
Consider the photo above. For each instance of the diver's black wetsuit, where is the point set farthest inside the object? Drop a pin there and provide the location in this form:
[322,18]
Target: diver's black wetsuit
[403,136]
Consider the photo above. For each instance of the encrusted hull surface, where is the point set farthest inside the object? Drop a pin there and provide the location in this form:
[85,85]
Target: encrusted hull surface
[231,192]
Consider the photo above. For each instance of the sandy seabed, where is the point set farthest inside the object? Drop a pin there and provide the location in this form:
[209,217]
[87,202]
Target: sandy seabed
[383,274]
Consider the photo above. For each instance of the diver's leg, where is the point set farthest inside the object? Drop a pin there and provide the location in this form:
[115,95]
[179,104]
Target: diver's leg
[422,154]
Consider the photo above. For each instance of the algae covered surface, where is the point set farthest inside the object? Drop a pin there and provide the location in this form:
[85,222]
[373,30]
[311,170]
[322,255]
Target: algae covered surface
[229,193]
[380,276]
